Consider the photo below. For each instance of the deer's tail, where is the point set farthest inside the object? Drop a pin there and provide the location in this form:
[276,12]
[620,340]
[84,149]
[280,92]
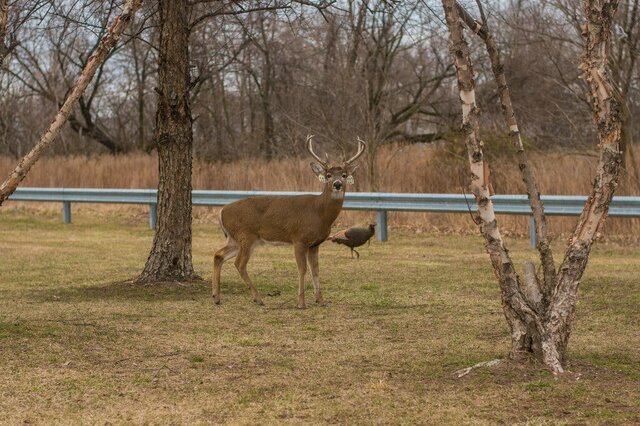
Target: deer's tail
[224,231]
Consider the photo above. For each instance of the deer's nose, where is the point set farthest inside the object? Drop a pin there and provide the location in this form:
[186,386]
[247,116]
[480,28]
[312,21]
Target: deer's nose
[337,185]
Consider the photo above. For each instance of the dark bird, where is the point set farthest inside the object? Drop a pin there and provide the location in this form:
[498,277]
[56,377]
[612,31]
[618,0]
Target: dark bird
[354,237]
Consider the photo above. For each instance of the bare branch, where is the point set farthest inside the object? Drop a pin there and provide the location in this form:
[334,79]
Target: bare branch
[49,136]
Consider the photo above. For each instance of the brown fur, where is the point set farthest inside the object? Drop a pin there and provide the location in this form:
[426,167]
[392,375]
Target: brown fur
[304,221]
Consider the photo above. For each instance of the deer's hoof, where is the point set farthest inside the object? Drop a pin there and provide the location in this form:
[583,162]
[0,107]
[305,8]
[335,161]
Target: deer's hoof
[301,306]
[258,302]
[216,299]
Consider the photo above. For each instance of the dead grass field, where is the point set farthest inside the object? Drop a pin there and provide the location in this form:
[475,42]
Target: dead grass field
[77,346]
[413,168]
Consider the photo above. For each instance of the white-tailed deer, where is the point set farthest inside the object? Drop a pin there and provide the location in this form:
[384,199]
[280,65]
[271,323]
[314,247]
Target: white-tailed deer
[304,221]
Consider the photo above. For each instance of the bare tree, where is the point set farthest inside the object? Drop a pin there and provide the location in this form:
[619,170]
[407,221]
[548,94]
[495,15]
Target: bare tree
[107,43]
[12,18]
[393,95]
[540,313]
[537,207]
[70,48]
[143,67]
[623,63]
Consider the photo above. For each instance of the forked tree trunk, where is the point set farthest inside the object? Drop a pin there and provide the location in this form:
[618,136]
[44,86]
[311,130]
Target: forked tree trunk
[540,316]
[49,136]
[170,256]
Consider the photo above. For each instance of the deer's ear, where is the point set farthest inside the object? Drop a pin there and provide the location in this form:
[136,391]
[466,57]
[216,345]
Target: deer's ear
[350,170]
[318,169]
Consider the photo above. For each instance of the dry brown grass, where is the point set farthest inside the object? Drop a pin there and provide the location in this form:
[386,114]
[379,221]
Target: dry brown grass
[79,347]
[407,169]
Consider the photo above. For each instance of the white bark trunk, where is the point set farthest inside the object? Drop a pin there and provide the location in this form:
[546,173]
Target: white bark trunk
[520,316]
[540,316]
[537,207]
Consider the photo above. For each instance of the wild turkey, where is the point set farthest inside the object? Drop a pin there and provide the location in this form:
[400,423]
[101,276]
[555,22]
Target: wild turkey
[354,237]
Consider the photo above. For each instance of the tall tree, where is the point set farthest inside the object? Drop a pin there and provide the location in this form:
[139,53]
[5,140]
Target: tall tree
[170,256]
[392,97]
[540,312]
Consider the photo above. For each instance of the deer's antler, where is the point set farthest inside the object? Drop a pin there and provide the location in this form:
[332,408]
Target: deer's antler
[361,148]
[313,154]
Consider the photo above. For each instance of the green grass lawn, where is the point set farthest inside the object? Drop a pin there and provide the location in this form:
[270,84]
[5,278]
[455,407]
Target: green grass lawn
[77,345]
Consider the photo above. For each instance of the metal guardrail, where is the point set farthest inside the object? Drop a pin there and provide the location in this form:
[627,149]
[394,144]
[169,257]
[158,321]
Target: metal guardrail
[558,205]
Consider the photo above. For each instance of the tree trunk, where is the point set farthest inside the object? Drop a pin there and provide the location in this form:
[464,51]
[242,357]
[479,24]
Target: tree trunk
[100,54]
[268,147]
[140,69]
[4,18]
[537,207]
[535,291]
[627,160]
[607,110]
[540,316]
[517,311]
[170,257]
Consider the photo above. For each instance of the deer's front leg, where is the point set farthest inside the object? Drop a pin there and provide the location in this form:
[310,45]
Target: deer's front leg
[301,260]
[312,257]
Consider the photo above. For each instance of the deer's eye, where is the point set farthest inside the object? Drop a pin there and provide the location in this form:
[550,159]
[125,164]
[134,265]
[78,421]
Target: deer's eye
[328,175]
[344,176]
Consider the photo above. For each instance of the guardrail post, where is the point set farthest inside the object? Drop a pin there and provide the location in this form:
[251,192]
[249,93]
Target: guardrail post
[66,212]
[382,225]
[532,232]
[153,213]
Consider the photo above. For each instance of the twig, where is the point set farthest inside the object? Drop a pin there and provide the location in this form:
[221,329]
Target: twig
[465,371]
[169,354]
[474,219]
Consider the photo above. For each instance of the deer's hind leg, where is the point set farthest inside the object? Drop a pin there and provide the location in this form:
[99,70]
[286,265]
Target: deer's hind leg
[225,253]
[244,253]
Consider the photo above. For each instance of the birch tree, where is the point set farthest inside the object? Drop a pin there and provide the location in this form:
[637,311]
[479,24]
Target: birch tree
[540,311]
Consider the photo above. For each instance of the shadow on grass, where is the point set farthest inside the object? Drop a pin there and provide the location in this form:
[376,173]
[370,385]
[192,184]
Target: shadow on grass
[126,290]
[159,291]
[276,296]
